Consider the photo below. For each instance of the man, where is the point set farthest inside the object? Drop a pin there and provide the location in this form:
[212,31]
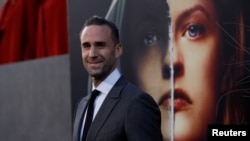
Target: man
[122,112]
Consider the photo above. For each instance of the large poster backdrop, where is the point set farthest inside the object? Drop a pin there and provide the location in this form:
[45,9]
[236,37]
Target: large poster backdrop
[192,56]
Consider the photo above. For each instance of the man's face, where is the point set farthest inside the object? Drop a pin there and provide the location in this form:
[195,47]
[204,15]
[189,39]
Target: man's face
[99,53]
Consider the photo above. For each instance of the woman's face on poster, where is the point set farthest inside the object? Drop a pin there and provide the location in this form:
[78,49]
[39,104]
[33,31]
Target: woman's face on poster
[196,62]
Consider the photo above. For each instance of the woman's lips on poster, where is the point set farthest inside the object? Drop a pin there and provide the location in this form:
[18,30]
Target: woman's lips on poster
[181,100]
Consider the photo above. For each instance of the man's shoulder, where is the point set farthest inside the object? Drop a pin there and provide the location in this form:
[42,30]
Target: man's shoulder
[135,91]
[131,89]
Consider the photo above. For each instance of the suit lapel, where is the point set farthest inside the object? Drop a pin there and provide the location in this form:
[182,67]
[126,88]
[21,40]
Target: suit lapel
[108,104]
[79,116]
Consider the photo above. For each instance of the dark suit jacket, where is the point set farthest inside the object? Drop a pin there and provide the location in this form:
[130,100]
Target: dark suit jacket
[127,114]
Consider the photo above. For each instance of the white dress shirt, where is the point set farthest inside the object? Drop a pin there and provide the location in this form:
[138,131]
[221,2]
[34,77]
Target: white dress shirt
[104,87]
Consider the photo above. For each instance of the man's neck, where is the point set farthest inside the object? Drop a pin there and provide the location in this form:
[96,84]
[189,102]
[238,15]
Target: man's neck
[98,80]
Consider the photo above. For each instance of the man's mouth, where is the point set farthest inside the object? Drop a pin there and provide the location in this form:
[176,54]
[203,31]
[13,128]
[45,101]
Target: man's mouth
[94,62]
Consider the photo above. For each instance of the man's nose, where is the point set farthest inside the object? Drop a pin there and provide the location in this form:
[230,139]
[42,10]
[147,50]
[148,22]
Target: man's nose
[92,51]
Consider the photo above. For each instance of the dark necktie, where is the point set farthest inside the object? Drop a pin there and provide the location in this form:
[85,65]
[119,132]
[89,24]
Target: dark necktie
[90,112]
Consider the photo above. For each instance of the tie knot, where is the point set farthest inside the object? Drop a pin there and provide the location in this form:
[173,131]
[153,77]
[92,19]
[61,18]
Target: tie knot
[95,93]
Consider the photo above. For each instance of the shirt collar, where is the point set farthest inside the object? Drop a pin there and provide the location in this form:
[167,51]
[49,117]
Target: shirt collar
[106,85]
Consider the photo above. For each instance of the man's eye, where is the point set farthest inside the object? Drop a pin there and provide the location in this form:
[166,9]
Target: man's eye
[85,46]
[149,39]
[194,31]
[100,44]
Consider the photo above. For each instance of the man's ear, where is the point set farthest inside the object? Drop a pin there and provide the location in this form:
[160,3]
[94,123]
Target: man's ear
[118,50]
